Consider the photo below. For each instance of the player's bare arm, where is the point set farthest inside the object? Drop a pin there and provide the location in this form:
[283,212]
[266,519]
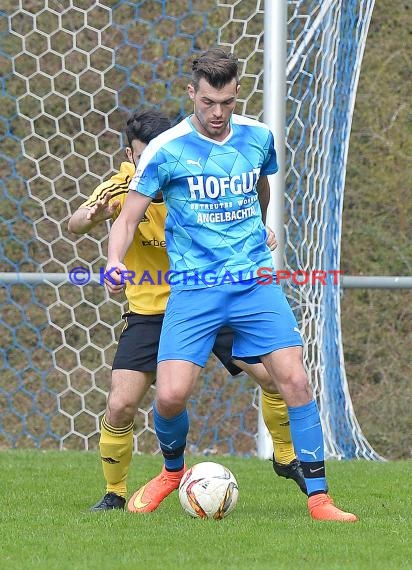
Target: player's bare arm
[263,189]
[85,218]
[121,236]
[264,197]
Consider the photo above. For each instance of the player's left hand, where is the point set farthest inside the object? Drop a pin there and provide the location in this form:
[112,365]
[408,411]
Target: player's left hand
[271,239]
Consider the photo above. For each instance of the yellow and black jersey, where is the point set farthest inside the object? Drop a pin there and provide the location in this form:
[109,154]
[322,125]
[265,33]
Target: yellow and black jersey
[146,256]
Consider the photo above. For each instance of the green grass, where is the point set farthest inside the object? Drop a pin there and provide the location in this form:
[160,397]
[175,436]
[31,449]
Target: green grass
[45,523]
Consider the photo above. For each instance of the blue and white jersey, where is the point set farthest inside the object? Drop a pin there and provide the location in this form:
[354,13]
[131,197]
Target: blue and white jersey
[214,228]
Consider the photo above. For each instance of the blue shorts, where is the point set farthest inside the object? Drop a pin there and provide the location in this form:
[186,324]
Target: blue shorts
[259,315]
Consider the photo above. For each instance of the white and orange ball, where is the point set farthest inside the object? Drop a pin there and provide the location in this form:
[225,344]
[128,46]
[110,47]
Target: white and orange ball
[208,490]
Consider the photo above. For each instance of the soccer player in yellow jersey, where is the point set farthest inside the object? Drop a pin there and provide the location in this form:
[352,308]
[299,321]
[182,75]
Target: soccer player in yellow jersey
[135,360]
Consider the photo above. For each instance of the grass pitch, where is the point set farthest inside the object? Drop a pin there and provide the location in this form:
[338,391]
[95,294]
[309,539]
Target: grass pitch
[45,522]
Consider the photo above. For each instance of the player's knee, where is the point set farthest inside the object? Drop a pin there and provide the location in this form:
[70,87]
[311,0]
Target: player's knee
[297,377]
[300,383]
[296,388]
[170,403]
[119,413]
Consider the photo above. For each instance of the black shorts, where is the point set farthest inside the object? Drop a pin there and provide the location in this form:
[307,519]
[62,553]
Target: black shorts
[139,343]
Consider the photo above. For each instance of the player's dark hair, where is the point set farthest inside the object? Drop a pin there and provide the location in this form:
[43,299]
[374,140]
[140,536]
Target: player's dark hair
[146,125]
[216,66]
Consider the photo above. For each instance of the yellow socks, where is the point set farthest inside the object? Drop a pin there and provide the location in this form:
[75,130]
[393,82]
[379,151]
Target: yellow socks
[275,415]
[116,446]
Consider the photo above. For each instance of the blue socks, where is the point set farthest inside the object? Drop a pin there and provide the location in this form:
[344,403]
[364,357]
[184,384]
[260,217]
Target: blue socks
[307,437]
[172,437]
[306,433]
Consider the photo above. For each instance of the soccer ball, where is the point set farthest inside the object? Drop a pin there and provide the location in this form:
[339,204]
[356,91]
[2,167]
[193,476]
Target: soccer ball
[208,490]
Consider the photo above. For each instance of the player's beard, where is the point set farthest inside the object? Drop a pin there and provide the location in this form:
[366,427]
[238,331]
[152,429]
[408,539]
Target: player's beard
[208,128]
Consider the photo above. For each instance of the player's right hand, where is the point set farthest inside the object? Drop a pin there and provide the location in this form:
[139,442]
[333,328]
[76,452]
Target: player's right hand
[102,209]
[114,280]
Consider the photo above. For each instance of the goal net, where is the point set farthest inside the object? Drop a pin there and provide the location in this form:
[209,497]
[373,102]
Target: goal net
[72,72]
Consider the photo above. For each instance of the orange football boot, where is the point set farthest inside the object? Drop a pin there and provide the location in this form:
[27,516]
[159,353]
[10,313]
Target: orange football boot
[148,498]
[321,508]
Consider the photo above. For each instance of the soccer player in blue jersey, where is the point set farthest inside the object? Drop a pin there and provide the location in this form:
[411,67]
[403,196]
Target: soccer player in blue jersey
[135,361]
[212,168]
